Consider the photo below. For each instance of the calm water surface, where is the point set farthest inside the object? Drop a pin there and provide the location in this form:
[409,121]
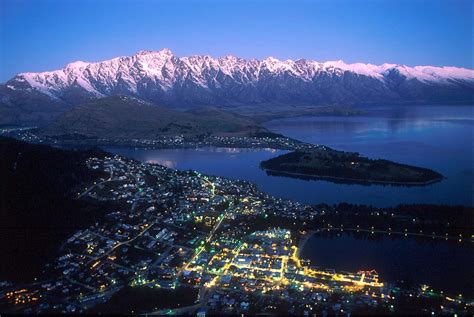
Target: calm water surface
[444,265]
[436,137]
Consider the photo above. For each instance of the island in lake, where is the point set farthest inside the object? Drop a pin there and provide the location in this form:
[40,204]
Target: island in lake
[348,167]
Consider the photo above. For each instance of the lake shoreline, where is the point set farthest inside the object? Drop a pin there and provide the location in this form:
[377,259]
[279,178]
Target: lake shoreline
[412,135]
[385,254]
[303,240]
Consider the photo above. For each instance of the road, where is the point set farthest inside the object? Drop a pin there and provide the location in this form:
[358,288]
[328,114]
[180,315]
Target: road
[110,179]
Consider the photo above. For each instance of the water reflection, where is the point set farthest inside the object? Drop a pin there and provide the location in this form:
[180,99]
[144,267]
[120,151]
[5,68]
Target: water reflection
[440,138]
[171,157]
[438,263]
[388,120]
[167,163]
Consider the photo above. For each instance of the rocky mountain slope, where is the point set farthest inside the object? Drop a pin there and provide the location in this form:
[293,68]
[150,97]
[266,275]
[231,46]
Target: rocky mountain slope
[161,77]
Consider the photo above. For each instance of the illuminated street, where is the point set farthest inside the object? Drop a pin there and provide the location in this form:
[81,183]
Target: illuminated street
[191,232]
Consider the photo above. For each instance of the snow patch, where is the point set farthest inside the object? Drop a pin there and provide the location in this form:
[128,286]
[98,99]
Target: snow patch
[163,69]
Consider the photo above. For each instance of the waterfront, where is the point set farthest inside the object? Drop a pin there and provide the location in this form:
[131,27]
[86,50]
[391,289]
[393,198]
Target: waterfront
[413,260]
[435,137]
[231,244]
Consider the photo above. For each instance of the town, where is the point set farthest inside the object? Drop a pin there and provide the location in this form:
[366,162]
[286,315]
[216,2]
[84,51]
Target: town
[230,247]
[259,140]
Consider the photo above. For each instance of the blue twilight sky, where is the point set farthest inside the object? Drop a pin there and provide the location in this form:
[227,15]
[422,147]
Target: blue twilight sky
[39,35]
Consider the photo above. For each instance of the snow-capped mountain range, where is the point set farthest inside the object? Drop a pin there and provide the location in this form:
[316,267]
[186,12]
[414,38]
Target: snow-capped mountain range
[163,78]
[162,70]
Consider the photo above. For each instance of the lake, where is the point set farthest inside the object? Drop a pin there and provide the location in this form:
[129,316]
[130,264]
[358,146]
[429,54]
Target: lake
[444,265]
[436,137]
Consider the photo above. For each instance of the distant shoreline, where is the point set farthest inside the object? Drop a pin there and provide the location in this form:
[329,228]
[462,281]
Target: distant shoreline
[352,180]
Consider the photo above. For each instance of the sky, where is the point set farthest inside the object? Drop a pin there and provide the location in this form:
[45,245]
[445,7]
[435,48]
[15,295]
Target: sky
[41,35]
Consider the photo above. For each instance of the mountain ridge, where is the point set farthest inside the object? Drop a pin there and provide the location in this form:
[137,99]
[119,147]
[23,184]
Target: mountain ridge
[425,72]
[162,78]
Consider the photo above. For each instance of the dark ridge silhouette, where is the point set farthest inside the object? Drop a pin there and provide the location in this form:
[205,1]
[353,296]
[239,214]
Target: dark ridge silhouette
[37,206]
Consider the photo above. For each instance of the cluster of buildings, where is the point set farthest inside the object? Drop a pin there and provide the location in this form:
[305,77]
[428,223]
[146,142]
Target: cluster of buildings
[24,134]
[232,243]
[271,141]
[261,272]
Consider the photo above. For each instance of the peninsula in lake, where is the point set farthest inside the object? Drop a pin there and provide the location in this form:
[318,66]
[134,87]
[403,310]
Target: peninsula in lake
[347,167]
[138,180]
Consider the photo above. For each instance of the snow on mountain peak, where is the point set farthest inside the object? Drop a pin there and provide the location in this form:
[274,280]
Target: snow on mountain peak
[271,59]
[164,71]
[162,52]
[77,64]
